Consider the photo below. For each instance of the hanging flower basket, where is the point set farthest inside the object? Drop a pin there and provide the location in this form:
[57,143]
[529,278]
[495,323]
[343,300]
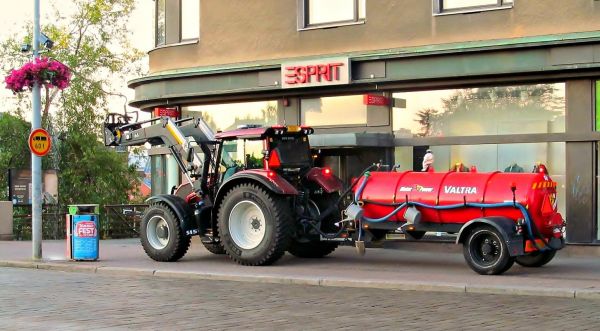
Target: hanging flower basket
[45,71]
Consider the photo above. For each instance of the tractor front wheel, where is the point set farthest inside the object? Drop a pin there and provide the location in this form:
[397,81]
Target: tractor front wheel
[161,234]
[254,225]
[486,251]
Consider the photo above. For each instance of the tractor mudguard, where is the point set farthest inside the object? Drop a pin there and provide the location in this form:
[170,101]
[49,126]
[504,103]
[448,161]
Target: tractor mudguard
[506,228]
[329,182]
[182,210]
[273,182]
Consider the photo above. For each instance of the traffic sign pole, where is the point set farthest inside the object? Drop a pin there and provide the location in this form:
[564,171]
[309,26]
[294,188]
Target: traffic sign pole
[36,161]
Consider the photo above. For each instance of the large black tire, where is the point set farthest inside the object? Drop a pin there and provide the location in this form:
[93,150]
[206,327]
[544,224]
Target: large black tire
[316,248]
[536,259]
[161,234]
[486,251]
[255,225]
[312,249]
[215,248]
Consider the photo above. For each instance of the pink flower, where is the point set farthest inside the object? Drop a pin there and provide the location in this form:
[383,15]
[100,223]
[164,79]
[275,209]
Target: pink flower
[45,71]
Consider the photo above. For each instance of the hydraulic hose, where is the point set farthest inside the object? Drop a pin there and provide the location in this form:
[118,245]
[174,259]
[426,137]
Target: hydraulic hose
[334,207]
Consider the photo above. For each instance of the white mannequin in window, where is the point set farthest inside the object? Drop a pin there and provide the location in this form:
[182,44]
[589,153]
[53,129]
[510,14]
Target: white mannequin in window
[427,160]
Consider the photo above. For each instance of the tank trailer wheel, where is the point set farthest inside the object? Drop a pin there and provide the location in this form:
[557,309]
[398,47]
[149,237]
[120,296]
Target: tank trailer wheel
[254,225]
[161,234]
[486,252]
[536,259]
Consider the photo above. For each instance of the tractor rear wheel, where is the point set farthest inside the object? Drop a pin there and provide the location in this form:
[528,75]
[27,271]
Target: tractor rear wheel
[312,249]
[316,248]
[486,251]
[536,259]
[254,225]
[161,234]
[215,248]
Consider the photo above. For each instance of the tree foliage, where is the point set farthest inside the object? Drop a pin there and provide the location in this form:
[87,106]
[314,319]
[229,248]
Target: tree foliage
[93,43]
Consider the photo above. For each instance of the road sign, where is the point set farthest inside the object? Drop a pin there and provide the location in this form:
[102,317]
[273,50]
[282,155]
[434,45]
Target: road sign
[39,142]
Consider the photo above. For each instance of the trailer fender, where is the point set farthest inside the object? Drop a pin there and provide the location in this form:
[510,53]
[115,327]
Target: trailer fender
[181,209]
[506,228]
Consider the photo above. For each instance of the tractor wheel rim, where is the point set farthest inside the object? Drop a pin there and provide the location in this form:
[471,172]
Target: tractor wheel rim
[247,224]
[158,232]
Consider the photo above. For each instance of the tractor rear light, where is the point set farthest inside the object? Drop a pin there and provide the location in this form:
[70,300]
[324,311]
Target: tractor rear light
[271,174]
[326,171]
[274,160]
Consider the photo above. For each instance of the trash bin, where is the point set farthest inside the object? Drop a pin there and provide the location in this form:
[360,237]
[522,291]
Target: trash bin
[82,232]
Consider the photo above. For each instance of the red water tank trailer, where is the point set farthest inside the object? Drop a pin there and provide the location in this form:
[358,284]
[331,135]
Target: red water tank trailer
[520,207]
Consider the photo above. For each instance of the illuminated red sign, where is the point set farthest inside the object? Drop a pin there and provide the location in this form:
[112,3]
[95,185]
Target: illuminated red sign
[169,112]
[315,73]
[375,100]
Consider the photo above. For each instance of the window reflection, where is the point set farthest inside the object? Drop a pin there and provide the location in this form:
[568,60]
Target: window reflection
[224,117]
[490,157]
[501,110]
[342,110]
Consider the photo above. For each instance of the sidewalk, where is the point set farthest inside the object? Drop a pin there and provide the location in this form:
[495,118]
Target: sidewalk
[410,266]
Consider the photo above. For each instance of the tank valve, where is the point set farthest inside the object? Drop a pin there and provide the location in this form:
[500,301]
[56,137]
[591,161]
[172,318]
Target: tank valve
[360,247]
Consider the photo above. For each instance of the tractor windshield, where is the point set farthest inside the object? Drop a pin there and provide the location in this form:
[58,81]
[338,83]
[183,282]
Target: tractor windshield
[293,150]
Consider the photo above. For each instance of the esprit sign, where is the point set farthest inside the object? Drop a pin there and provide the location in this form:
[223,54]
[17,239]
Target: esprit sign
[323,72]
[170,112]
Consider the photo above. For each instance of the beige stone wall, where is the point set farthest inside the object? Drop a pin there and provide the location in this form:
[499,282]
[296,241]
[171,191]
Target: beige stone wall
[236,31]
[6,220]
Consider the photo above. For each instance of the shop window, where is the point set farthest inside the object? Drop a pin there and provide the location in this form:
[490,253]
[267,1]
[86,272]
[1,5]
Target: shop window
[161,22]
[490,157]
[325,13]
[224,117]
[333,111]
[462,6]
[190,19]
[503,110]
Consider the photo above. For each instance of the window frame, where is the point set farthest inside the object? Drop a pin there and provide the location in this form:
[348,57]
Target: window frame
[438,8]
[303,17]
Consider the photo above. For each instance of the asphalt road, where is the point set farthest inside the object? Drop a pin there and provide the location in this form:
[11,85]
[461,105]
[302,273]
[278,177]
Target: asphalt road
[51,300]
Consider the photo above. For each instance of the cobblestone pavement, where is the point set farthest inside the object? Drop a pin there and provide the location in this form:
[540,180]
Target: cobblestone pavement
[51,300]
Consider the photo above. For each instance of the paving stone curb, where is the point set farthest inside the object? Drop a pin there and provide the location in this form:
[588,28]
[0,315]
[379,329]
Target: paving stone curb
[573,293]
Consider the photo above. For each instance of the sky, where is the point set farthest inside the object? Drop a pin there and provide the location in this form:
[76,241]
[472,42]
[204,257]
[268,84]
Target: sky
[15,14]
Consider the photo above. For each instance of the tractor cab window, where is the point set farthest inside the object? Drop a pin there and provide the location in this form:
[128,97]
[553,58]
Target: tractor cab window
[292,150]
[243,154]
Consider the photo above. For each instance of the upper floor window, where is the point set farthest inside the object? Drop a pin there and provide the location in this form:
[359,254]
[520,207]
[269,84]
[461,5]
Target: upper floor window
[161,22]
[462,6]
[190,19]
[177,21]
[327,13]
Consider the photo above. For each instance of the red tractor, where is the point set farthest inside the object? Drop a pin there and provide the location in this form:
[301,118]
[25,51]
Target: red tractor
[254,208]
[253,193]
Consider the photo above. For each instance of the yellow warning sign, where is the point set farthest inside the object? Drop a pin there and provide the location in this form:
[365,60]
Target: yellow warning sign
[40,142]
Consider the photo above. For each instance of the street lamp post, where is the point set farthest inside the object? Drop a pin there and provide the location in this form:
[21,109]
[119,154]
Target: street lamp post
[36,161]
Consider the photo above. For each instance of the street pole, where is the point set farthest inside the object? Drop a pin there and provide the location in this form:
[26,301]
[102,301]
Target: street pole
[36,161]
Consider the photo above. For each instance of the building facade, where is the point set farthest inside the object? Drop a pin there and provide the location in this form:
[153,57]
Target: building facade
[490,84]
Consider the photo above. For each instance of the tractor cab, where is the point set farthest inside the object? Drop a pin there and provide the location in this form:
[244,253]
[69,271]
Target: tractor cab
[282,149]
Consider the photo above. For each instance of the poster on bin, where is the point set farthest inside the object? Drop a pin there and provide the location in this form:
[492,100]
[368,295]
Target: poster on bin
[85,237]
